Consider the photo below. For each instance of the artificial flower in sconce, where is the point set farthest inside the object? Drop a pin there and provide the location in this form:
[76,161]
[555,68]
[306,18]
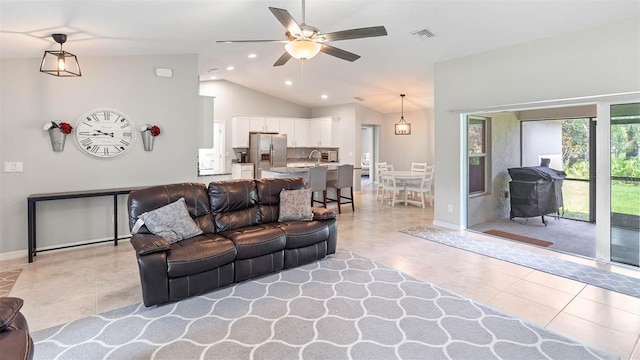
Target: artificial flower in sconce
[57,133]
[149,132]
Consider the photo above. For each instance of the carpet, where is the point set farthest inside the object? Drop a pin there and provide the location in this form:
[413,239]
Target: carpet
[342,307]
[7,279]
[516,237]
[587,274]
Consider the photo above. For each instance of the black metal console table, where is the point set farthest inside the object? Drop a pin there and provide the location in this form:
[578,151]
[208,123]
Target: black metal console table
[33,199]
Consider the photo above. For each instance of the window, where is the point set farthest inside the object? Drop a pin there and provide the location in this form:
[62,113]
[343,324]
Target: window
[477,130]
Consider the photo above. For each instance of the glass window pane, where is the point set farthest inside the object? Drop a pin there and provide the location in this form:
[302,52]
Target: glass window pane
[476,136]
[476,174]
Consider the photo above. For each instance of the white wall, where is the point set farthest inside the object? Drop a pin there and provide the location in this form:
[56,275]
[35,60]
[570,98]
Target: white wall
[128,84]
[541,138]
[402,150]
[596,61]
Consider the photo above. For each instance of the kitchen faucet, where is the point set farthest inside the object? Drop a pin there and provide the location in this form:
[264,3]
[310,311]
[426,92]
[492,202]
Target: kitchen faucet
[319,155]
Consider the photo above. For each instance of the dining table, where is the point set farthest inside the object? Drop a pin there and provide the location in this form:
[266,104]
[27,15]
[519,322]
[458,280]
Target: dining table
[404,176]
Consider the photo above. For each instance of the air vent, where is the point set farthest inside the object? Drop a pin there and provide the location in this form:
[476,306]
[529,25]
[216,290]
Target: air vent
[358,98]
[423,33]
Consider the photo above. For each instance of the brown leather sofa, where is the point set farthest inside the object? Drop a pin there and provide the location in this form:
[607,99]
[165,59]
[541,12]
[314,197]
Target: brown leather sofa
[241,237]
[15,341]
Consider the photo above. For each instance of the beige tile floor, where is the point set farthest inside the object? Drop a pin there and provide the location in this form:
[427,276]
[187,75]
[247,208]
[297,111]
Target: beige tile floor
[66,285]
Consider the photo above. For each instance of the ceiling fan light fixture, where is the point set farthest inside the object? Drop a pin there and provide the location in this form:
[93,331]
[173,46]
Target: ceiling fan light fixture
[60,63]
[402,127]
[303,49]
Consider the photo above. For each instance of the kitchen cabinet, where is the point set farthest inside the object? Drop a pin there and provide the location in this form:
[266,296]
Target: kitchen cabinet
[264,124]
[240,128]
[297,131]
[242,171]
[323,132]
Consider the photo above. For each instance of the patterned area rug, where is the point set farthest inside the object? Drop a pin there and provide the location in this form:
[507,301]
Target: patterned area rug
[342,307]
[7,279]
[601,278]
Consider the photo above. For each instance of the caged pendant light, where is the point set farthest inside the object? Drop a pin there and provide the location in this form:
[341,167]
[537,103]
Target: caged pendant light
[60,63]
[402,127]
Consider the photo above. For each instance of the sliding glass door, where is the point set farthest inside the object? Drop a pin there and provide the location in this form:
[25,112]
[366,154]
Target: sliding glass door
[625,184]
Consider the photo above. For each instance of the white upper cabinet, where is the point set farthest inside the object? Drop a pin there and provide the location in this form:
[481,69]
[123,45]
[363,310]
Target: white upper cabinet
[240,128]
[323,132]
[297,131]
[264,124]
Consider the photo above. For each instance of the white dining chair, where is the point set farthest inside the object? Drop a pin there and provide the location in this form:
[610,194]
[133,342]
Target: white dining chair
[418,167]
[380,168]
[424,188]
[392,188]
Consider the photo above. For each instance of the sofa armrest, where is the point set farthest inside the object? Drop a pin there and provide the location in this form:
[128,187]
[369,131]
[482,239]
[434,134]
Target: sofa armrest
[148,243]
[322,213]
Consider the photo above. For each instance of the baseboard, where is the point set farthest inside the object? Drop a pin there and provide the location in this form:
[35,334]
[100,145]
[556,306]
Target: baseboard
[446,225]
[14,255]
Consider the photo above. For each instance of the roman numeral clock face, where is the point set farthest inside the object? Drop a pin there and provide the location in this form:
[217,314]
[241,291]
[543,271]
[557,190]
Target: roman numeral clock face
[105,133]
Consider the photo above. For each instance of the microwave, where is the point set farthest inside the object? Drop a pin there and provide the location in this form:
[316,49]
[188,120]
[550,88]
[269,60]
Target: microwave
[330,156]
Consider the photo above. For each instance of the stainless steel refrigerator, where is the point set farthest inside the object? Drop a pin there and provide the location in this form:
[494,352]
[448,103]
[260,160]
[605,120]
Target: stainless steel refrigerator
[267,151]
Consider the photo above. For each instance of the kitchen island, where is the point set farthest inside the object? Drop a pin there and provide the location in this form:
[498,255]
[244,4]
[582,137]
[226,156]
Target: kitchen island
[295,171]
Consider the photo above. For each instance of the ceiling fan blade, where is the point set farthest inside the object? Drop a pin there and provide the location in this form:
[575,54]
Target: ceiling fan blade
[339,53]
[355,33]
[287,20]
[283,59]
[249,41]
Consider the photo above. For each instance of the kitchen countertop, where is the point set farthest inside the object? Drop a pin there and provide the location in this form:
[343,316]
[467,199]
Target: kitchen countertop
[300,169]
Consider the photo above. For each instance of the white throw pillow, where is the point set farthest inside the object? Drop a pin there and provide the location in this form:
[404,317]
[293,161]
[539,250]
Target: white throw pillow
[295,205]
[171,222]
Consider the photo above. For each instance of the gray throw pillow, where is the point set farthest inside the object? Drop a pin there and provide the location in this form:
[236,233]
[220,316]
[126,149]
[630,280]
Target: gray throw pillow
[171,222]
[295,205]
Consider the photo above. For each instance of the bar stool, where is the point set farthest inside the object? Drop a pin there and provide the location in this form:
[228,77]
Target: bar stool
[344,180]
[318,182]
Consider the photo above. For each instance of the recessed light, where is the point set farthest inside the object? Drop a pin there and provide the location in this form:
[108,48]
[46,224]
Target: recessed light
[324,96]
[230,68]
[252,56]
[288,83]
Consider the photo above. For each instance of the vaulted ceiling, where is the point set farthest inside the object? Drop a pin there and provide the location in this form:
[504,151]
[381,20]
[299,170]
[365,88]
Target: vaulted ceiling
[401,62]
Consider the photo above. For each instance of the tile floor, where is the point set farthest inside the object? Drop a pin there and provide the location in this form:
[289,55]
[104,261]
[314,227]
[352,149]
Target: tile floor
[66,285]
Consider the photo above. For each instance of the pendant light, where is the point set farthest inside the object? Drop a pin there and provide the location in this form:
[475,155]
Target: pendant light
[60,63]
[402,127]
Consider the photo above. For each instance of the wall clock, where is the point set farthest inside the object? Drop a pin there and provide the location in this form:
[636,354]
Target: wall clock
[105,133]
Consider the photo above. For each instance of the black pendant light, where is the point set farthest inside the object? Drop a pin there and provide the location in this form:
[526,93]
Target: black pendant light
[60,63]
[402,127]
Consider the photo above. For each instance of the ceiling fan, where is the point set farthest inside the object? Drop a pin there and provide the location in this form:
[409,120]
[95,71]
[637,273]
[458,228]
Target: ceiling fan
[305,41]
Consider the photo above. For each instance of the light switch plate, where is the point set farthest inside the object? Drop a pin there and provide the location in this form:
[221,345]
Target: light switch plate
[10,167]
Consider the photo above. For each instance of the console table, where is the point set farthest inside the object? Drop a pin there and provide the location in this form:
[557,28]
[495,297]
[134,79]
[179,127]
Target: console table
[33,199]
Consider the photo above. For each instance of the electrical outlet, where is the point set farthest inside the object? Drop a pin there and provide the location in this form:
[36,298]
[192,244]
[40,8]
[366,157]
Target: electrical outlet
[450,208]
[12,167]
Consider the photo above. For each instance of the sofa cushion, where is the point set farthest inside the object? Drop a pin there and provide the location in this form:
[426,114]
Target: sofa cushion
[151,198]
[9,309]
[269,195]
[295,205]
[234,204]
[256,241]
[304,233]
[171,222]
[199,254]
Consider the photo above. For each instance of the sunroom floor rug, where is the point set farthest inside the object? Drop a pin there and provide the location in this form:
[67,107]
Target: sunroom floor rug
[587,274]
[342,307]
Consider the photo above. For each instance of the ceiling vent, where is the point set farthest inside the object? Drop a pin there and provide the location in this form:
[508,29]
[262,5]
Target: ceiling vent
[358,98]
[424,33]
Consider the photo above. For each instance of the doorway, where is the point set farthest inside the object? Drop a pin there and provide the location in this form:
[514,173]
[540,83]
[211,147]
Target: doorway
[369,152]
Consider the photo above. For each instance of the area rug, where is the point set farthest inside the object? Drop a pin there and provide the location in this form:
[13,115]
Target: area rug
[7,279]
[516,237]
[593,276]
[342,307]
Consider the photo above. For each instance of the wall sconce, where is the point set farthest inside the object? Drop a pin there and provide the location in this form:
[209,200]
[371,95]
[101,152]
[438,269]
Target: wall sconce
[402,127]
[60,63]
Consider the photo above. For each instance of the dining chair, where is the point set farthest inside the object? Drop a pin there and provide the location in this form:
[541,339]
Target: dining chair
[418,167]
[344,180]
[317,183]
[424,188]
[391,188]
[380,167]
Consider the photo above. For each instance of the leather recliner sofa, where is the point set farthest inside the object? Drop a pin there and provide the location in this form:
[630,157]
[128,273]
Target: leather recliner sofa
[241,237]
[15,341]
